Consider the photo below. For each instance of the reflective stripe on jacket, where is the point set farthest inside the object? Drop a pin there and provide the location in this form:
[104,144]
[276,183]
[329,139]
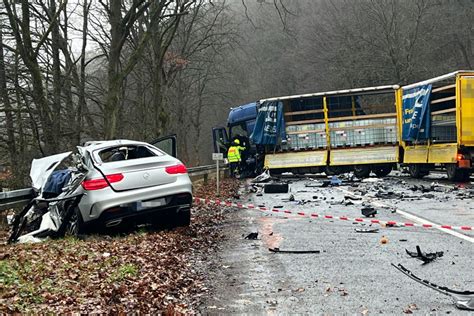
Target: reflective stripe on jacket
[233,154]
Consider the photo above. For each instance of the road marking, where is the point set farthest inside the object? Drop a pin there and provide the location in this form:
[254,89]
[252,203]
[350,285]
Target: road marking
[411,216]
[327,216]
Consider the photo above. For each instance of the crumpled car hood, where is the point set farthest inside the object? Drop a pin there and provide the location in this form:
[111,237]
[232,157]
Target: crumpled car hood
[42,168]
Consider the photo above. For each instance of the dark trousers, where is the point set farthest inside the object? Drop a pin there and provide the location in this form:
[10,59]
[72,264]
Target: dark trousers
[234,167]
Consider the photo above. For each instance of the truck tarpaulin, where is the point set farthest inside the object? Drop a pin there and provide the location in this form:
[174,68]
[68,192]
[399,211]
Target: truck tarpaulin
[416,113]
[270,124]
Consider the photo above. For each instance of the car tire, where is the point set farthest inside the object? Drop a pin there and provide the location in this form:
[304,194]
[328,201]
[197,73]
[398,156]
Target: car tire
[362,171]
[182,218]
[382,170]
[75,226]
[456,174]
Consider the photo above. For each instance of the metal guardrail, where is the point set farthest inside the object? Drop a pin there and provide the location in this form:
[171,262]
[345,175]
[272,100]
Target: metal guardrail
[15,198]
[21,197]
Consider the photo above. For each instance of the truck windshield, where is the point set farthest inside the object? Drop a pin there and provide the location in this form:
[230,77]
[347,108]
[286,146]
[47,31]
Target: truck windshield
[238,130]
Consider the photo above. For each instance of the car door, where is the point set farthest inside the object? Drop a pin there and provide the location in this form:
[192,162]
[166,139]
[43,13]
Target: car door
[167,144]
[220,140]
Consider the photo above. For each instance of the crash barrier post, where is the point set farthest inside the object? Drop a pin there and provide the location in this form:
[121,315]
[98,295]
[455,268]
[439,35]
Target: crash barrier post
[328,216]
[21,197]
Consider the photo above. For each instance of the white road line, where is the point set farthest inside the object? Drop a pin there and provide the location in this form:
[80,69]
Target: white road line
[411,216]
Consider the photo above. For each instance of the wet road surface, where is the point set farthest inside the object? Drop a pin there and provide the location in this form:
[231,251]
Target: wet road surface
[352,273]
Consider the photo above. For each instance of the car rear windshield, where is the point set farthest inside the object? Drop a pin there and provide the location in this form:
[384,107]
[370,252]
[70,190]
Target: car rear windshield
[129,152]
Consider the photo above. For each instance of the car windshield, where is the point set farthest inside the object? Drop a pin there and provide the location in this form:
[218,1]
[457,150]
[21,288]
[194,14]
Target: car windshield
[129,152]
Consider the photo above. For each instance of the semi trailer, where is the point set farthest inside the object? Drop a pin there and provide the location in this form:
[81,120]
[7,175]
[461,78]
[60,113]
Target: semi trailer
[424,126]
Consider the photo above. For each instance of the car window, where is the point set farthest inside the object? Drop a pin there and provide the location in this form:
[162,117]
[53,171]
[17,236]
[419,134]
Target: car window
[128,152]
[166,145]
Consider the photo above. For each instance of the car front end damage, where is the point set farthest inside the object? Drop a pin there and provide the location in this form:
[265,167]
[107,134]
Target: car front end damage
[75,193]
[49,211]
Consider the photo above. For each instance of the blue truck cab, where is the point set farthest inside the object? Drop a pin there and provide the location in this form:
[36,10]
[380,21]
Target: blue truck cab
[240,125]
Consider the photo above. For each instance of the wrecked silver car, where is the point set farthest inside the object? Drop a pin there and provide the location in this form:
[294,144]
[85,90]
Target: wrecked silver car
[106,184]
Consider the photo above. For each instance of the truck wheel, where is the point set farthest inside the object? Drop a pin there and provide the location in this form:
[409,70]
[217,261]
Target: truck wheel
[362,171]
[382,170]
[276,172]
[417,171]
[456,174]
[332,170]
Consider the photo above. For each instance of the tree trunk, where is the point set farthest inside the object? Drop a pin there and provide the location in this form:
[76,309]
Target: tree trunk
[56,108]
[11,143]
[113,71]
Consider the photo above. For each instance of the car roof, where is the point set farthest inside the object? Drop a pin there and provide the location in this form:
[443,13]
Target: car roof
[94,145]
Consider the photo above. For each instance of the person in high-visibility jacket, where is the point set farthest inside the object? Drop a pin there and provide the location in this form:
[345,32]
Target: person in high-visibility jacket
[234,157]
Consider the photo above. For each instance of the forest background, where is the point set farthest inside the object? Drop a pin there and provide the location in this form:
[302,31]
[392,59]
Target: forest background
[79,70]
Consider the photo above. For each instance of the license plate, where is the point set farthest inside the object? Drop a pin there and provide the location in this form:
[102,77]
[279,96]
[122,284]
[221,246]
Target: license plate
[149,204]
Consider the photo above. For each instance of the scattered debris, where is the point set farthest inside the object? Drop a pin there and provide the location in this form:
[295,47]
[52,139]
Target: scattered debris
[335,181]
[276,188]
[291,198]
[366,230]
[252,236]
[410,308]
[384,240]
[352,197]
[368,211]
[462,299]
[343,292]
[425,257]
[277,250]
[263,177]
[371,180]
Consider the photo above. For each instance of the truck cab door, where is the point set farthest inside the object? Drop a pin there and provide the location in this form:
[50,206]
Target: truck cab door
[220,140]
[166,144]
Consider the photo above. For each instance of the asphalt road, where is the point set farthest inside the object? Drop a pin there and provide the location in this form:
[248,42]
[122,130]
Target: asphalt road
[353,272]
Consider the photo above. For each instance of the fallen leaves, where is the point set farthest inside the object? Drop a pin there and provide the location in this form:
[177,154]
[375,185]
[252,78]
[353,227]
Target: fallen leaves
[149,272]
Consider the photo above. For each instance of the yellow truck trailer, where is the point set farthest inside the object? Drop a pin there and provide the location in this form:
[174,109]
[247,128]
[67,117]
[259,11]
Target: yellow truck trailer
[449,114]
[424,126]
[338,131]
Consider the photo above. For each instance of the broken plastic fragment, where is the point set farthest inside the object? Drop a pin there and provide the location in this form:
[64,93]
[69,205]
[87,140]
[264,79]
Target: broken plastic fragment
[368,211]
[366,230]
[425,257]
[462,299]
[277,250]
[252,236]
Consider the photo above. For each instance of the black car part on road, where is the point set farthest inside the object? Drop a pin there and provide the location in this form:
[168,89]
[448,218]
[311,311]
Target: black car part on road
[276,188]
[462,299]
[426,257]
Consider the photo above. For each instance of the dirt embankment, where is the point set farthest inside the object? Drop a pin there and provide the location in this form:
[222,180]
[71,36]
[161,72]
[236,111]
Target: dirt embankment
[160,271]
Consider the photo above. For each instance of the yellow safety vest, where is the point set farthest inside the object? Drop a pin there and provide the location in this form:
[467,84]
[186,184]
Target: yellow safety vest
[233,154]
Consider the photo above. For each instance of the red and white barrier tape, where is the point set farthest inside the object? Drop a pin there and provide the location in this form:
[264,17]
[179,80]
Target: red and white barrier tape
[325,216]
